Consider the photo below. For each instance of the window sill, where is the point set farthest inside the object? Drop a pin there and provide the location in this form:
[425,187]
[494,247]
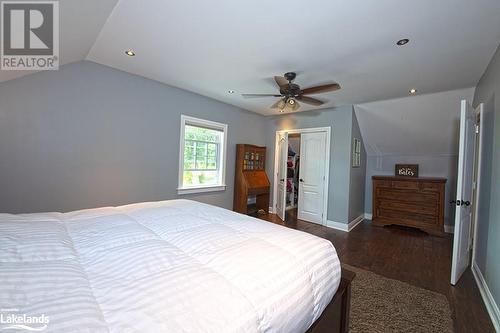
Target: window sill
[201,189]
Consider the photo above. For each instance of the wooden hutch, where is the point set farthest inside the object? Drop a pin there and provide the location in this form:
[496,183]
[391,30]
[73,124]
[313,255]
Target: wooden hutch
[250,179]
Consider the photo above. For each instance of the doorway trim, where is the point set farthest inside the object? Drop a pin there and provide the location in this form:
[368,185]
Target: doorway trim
[491,306]
[328,131]
[477,176]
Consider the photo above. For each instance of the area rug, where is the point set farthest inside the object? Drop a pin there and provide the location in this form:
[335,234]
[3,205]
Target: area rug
[379,304]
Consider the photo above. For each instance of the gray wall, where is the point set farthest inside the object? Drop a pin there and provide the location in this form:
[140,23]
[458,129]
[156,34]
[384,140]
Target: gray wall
[488,237]
[340,120]
[88,135]
[357,177]
[429,166]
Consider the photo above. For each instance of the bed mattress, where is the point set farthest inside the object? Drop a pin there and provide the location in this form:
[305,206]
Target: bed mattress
[170,266]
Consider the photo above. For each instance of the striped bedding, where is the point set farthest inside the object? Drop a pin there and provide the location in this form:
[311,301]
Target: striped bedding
[170,266]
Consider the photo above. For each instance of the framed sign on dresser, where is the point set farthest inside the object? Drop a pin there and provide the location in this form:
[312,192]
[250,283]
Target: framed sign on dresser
[411,202]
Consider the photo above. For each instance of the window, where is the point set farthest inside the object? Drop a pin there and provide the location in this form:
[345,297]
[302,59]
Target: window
[202,156]
[356,153]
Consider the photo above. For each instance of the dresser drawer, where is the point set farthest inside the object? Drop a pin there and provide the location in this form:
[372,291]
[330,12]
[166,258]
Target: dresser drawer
[401,184]
[407,218]
[382,183]
[433,187]
[409,207]
[419,197]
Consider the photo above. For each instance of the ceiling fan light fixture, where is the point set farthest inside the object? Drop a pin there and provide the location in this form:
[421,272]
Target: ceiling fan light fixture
[291,95]
[281,105]
[402,42]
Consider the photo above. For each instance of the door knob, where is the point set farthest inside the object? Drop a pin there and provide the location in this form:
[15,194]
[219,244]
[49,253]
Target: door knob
[460,202]
[282,180]
[301,180]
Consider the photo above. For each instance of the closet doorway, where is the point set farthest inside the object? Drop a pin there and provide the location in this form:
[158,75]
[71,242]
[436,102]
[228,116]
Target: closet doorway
[300,188]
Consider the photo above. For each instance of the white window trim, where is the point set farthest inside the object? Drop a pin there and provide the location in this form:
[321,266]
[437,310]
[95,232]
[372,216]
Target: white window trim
[186,120]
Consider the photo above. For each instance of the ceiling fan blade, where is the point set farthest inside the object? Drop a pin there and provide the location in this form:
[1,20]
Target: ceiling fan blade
[280,104]
[259,95]
[281,81]
[321,89]
[310,100]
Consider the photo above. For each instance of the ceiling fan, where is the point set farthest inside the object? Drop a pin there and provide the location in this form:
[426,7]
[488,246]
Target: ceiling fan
[290,93]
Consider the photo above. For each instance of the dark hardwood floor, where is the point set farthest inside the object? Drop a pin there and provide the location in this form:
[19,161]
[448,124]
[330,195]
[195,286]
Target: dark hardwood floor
[407,255]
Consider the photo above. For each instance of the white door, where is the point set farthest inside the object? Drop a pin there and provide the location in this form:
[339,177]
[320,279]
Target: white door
[312,177]
[463,214]
[281,174]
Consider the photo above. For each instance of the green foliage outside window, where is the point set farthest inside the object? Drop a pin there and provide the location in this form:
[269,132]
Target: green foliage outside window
[201,156]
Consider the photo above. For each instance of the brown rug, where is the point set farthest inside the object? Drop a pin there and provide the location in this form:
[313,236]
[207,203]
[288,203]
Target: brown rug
[379,304]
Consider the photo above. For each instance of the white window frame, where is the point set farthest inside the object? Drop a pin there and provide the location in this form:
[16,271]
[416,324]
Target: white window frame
[187,120]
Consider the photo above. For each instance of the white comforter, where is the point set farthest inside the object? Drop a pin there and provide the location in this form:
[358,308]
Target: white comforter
[171,266]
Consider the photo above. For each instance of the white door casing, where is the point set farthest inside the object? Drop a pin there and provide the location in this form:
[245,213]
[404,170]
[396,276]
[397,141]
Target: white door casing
[312,177]
[463,213]
[282,149]
[480,136]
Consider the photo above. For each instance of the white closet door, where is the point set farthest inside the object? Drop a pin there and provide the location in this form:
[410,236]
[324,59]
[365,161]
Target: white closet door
[312,177]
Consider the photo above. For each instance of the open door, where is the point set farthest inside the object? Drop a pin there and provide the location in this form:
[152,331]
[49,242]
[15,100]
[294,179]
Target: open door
[282,141]
[463,214]
[312,177]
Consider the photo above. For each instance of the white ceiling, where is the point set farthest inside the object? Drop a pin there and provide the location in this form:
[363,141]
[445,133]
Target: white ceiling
[80,23]
[416,125]
[210,47]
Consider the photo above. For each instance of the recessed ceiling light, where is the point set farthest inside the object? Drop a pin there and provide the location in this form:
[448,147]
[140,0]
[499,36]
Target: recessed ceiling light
[130,53]
[413,91]
[402,42]
[230,91]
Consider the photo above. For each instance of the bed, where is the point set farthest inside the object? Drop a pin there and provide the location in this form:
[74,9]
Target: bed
[170,266]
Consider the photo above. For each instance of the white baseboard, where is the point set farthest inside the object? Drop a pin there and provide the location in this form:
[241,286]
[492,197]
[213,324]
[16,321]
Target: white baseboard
[368,216]
[449,229]
[337,225]
[344,226]
[353,224]
[488,299]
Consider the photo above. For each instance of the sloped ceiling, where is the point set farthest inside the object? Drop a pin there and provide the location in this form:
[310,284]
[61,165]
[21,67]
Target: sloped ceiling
[413,125]
[80,23]
[211,47]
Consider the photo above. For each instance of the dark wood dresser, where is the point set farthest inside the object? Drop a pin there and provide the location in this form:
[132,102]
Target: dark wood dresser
[411,202]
